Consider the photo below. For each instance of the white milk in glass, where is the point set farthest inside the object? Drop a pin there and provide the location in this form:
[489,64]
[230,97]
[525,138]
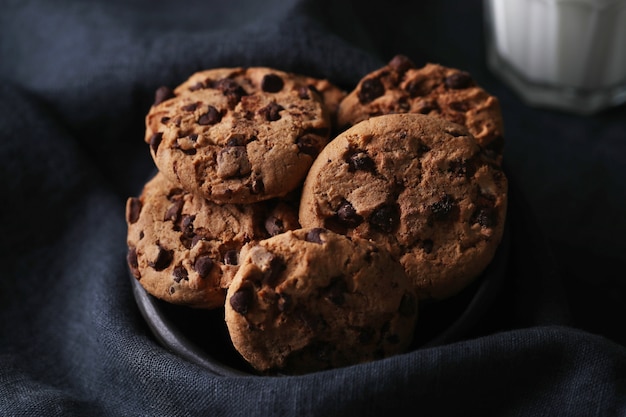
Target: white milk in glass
[568,54]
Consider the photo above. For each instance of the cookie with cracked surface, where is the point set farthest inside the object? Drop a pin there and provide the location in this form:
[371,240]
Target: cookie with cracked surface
[310,299]
[421,188]
[436,90]
[238,135]
[184,249]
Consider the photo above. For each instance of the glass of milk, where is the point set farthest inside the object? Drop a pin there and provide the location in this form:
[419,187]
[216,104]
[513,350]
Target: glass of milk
[562,54]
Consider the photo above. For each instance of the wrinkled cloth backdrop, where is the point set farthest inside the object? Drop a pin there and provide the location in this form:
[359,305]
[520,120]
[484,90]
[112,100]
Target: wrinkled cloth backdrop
[76,79]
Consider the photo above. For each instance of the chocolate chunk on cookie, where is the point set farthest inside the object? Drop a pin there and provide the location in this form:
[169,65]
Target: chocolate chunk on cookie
[240,135]
[426,193]
[184,249]
[449,93]
[310,299]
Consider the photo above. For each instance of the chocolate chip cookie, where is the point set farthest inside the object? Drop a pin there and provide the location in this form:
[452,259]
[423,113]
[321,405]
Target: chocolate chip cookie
[330,93]
[184,249]
[238,135]
[310,299]
[436,90]
[421,188]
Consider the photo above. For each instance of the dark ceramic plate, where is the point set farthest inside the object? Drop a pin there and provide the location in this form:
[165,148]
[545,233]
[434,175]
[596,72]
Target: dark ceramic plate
[201,336]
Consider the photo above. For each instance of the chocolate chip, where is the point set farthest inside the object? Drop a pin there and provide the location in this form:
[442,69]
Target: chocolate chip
[133,263]
[371,88]
[272,83]
[165,119]
[303,93]
[241,300]
[175,194]
[197,86]
[360,161]
[315,235]
[408,305]
[236,140]
[218,84]
[459,80]
[417,88]
[274,271]
[271,112]
[163,259]
[186,226]
[180,273]
[462,168]
[196,238]
[443,208]
[385,218]
[134,210]
[335,292]
[203,265]
[230,89]
[401,63]
[190,107]
[173,211]
[310,144]
[230,257]
[334,224]
[211,117]
[155,141]
[274,225]
[348,215]
[189,240]
[163,93]
[232,161]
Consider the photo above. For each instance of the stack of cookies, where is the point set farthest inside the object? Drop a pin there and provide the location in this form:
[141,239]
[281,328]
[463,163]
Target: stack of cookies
[318,219]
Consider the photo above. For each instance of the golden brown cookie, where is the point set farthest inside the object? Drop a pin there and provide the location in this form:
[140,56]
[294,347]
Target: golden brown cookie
[436,90]
[310,299]
[238,135]
[421,188]
[184,249]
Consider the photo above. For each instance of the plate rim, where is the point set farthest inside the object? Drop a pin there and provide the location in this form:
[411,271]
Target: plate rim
[175,341]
